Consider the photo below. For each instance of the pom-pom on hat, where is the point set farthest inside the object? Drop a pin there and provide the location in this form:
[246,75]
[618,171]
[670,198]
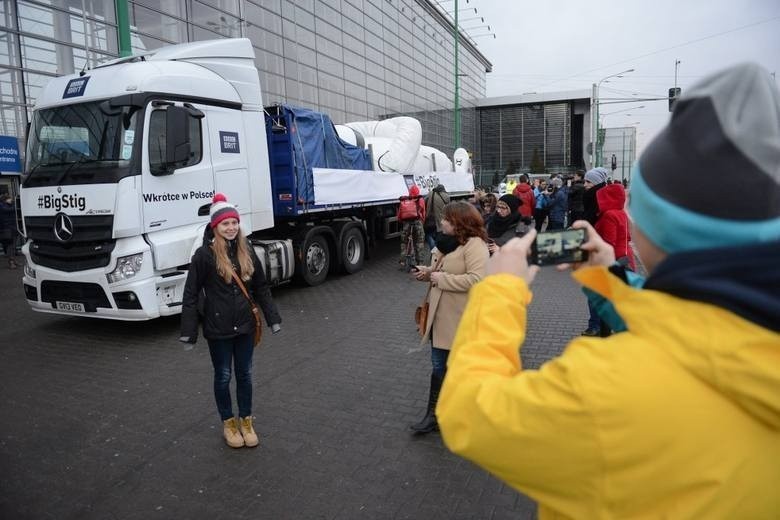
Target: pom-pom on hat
[222,209]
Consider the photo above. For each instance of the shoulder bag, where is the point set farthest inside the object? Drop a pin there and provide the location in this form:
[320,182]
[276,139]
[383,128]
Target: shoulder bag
[421,313]
[255,310]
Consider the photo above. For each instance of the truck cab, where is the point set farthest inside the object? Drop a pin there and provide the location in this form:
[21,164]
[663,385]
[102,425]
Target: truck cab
[121,166]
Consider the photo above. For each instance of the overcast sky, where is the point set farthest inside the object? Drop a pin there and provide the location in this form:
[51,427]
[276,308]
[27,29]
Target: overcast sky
[554,45]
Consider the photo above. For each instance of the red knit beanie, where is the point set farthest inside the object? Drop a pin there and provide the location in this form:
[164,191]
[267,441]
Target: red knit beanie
[222,209]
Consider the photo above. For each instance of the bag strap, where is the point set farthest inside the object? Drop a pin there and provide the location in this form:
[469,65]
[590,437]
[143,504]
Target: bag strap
[242,287]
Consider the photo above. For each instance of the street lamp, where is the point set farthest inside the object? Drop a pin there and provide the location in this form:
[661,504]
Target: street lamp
[596,87]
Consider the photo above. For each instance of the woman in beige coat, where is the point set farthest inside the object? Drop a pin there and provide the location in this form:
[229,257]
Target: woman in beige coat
[458,261]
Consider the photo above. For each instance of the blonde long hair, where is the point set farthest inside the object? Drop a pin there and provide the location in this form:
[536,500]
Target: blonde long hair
[224,265]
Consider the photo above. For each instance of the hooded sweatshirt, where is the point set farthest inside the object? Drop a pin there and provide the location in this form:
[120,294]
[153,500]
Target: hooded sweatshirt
[525,193]
[677,417]
[612,223]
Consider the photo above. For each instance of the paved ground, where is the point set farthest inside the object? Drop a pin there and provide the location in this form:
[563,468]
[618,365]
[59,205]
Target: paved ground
[113,420]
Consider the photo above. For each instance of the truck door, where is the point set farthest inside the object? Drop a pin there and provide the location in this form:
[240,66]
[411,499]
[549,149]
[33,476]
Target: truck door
[177,179]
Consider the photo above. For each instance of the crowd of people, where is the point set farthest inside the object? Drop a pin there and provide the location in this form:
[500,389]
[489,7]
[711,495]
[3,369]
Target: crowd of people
[676,413]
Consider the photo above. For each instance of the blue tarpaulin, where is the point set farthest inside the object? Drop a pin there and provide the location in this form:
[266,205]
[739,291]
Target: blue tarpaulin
[316,144]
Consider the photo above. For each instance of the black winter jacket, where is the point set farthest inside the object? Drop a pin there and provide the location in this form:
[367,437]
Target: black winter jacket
[590,204]
[227,313]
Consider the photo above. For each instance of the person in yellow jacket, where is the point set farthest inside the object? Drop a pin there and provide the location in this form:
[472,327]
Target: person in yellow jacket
[678,414]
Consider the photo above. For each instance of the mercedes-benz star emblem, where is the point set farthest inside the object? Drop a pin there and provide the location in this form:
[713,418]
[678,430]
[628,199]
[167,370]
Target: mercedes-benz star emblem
[63,227]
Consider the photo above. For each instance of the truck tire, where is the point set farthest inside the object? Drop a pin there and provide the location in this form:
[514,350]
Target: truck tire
[315,261]
[353,250]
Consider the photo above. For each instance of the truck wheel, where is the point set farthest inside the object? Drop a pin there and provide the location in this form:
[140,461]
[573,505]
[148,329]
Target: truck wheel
[353,250]
[313,269]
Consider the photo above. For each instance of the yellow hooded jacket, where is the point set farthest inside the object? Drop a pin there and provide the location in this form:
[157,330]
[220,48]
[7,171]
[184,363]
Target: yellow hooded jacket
[678,417]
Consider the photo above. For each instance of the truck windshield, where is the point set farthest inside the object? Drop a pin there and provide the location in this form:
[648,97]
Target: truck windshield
[75,144]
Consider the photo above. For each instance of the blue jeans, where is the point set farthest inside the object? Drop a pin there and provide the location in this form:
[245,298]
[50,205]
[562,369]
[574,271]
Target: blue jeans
[430,239]
[439,361]
[554,225]
[237,350]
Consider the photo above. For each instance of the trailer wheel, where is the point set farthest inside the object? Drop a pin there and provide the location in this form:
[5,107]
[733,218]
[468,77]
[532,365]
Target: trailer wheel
[313,269]
[353,250]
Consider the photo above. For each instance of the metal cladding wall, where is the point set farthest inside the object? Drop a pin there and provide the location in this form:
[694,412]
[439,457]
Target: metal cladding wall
[352,59]
[527,135]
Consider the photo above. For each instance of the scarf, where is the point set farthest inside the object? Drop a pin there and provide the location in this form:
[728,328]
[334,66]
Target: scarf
[446,243]
[499,225]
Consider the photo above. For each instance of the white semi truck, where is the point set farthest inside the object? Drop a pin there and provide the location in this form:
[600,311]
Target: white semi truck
[124,159]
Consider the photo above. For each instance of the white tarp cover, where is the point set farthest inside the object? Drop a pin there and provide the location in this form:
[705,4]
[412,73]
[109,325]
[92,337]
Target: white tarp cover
[357,186]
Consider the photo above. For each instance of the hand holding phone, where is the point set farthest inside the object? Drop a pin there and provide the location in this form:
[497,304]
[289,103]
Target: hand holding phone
[559,247]
[512,258]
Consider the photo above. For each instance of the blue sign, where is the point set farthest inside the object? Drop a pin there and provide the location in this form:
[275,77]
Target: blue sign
[75,87]
[228,142]
[9,154]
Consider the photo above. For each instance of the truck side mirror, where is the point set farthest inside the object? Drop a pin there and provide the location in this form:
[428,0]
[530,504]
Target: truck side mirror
[177,136]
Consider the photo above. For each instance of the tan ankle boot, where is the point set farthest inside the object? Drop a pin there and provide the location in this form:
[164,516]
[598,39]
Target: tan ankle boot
[232,437]
[250,437]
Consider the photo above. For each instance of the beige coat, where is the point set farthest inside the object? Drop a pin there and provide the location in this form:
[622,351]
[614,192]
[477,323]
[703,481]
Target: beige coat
[462,268]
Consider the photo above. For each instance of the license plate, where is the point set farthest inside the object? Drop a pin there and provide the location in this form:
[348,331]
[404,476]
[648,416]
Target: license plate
[71,307]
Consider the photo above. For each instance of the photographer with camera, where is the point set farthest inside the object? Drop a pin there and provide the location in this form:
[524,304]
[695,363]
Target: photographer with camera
[677,416]
[557,198]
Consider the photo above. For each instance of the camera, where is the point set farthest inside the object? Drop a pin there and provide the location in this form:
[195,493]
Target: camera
[557,247]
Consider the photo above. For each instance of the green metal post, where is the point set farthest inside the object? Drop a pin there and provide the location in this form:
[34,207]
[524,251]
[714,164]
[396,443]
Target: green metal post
[457,81]
[123,28]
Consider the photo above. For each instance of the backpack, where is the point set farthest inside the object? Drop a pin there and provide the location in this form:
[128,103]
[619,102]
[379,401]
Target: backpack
[408,209]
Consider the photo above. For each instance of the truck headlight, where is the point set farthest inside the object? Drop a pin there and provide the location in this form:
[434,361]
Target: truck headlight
[126,267]
[29,271]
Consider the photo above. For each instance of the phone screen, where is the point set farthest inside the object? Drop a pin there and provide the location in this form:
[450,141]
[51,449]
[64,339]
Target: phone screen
[557,247]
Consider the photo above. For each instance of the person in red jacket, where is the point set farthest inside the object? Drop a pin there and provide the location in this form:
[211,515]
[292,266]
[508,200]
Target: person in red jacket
[525,193]
[411,215]
[612,224]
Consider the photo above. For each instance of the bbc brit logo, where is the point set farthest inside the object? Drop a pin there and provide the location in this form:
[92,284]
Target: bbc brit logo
[228,142]
[75,87]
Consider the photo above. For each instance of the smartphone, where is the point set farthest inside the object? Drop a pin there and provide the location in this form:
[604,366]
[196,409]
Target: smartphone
[558,247]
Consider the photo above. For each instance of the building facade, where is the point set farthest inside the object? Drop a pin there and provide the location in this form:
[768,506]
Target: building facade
[352,59]
[532,133]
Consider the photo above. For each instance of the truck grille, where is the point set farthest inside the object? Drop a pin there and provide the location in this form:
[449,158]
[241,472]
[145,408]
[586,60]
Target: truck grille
[89,294]
[90,246]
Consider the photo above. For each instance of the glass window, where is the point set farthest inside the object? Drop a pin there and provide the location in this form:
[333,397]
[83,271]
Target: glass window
[303,18]
[162,27]
[98,9]
[327,13]
[257,17]
[13,121]
[157,134]
[9,50]
[309,95]
[141,43]
[230,6]
[81,136]
[33,84]
[199,33]
[274,6]
[264,39]
[171,7]
[215,21]
[10,86]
